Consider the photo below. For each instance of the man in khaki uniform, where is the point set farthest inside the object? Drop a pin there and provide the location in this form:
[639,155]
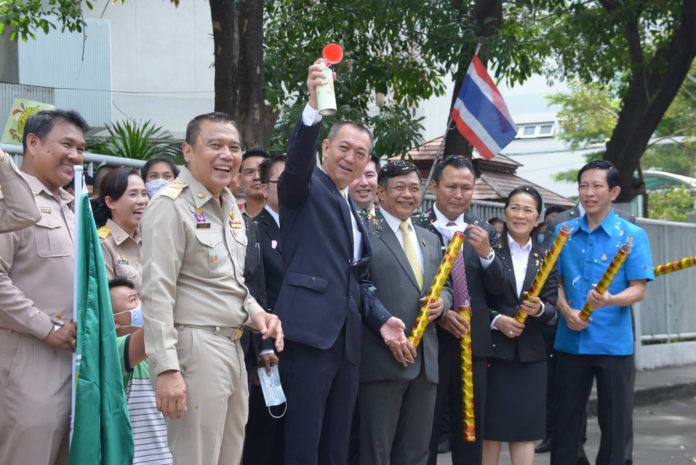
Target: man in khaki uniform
[36,281]
[195,302]
[17,207]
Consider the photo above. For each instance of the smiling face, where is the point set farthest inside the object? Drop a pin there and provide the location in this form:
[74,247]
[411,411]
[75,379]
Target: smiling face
[52,159]
[521,216]
[127,210]
[346,155]
[401,196]
[363,189]
[595,195]
[250,179]
[454,191]
[215,156]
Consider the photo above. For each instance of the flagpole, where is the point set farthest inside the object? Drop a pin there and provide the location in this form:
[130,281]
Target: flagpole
[436,160]
[77,189]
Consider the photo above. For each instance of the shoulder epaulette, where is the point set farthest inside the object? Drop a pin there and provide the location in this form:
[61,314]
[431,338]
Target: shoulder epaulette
[103,232]
[173,189]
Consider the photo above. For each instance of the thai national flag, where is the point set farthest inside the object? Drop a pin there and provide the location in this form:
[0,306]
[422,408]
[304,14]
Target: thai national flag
[481,114]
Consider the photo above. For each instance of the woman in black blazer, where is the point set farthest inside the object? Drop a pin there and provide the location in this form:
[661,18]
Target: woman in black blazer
[516,396]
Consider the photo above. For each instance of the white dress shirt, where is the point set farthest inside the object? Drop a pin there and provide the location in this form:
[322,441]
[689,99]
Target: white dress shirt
[459,221]
[520,258]
[276,216]
[394,224]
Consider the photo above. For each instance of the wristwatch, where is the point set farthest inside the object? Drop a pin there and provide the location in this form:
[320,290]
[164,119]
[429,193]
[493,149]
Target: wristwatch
[57,323]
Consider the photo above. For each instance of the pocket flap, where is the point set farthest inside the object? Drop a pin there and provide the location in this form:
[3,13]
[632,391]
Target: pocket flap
[208,237]
[305,280]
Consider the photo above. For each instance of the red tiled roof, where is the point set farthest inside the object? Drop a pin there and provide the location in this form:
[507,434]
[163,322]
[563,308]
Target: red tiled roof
[496,179]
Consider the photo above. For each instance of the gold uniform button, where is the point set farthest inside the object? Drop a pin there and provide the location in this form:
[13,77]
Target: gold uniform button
[201,195]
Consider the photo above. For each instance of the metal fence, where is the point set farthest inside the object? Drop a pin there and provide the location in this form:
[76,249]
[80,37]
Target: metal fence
[93,160]
[482,209]
[666,319]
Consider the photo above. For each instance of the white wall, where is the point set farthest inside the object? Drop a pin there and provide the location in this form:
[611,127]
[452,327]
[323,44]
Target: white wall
[161,60]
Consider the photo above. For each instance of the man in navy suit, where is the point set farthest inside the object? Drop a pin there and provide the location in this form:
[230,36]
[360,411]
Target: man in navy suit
[325,252]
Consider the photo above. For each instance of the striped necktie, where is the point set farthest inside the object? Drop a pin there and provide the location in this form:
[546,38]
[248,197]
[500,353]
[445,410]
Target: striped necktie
[461,287]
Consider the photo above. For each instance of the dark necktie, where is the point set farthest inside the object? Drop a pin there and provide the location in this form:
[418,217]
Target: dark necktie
[461,287]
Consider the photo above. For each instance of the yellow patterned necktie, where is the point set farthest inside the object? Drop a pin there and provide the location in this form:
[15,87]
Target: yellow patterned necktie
[411,254]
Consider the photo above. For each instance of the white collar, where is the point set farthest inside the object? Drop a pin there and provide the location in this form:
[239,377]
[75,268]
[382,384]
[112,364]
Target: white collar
[275,215]
[514,245]
[444,220]
[394,222]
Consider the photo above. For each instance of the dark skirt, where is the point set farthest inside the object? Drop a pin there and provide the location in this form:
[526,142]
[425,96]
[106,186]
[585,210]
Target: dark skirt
[515,401]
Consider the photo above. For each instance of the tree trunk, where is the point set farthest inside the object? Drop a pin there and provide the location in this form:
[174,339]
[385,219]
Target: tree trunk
[455,143]
[224,18]
[654,85]
[252,84]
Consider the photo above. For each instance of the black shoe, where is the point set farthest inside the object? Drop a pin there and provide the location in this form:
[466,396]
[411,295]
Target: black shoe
[444,445]
[543,446]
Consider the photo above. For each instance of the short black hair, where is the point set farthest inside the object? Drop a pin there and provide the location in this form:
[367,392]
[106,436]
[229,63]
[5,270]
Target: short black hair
[153,161]
[42,122]
[527,189]
[613,176]
[493,220]
[553,209]
[255,153]
[267,165]
[375,159]
[193,128]
[89,180]
[455,161]
[394,168]
[119,281]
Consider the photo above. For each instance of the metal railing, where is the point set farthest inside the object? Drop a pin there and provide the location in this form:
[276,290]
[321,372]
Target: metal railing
[482,209]
[92,160]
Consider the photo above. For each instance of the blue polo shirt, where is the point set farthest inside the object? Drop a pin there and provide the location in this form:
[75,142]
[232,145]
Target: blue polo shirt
[582,263]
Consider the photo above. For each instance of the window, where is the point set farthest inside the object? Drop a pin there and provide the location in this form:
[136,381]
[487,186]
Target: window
[528,131]
[546,130]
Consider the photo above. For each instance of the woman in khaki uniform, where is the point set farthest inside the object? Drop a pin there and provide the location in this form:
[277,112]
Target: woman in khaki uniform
[124,198]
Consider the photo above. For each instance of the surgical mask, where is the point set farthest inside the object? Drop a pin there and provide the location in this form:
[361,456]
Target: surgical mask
[272,389]
[136,317]
[153,187]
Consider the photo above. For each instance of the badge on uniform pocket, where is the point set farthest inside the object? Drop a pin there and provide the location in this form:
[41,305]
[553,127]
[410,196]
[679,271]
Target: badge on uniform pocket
[213,260]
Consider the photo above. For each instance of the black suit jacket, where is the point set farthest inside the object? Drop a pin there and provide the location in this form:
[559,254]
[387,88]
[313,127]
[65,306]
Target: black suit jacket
[530,344]
[321,290]
[479,281]
[269,238]
[255,280]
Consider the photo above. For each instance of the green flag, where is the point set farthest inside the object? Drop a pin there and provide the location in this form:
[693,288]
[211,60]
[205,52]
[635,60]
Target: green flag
[102,431]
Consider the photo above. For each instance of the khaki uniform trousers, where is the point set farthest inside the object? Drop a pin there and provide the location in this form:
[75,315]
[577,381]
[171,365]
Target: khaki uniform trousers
[34,400]
[212,430]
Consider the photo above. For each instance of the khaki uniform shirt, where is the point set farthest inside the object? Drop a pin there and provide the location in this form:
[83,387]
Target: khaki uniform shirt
[36,266]
[17,207]
[193,266]
[123,255]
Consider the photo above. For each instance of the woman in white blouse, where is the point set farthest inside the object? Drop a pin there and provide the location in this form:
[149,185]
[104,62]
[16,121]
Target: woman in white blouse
[516,388]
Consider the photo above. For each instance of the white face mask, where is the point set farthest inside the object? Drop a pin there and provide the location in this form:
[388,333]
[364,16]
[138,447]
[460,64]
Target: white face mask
[155,186]
[272,389]
[136,317]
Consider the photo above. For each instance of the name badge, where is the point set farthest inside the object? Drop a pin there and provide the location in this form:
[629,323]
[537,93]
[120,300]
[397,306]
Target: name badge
[202,225]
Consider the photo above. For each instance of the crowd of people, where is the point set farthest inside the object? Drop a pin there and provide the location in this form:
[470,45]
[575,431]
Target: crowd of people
[242,272]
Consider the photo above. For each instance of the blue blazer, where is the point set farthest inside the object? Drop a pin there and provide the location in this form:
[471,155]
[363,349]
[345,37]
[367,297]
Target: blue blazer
[321,290]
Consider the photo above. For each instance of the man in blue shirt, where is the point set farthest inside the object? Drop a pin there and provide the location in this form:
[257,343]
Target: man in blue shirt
[602,347]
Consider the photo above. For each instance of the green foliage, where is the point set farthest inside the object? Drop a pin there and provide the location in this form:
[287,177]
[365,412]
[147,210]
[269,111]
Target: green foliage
[142,141]
[22,18]
[671,204]
[588,114]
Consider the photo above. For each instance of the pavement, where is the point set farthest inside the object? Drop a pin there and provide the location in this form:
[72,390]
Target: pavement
[658,385]
[664,420]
